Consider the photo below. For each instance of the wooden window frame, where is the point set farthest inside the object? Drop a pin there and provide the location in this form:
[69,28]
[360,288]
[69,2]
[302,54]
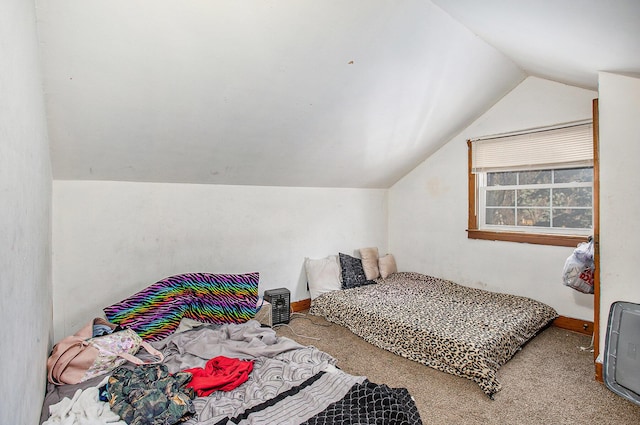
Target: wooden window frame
[474,232]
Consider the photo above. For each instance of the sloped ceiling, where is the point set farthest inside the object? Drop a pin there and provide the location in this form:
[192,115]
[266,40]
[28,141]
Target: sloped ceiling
[297,92]
[567,41]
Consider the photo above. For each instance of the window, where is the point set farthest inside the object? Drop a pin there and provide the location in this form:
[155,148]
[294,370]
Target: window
[538,200]
[533,186]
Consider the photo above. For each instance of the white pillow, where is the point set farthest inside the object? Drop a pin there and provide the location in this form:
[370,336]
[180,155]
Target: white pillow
[387,265]
[323,275]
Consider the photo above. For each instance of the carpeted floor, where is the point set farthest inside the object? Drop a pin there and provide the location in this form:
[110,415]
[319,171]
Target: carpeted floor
[550,381]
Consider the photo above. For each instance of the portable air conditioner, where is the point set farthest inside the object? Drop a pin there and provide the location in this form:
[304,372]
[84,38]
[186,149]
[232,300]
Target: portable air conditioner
[280,305]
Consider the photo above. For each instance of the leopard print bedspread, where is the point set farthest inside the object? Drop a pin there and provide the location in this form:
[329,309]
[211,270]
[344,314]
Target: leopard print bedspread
[463,331]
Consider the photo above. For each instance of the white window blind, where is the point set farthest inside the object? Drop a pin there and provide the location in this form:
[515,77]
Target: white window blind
[561,146]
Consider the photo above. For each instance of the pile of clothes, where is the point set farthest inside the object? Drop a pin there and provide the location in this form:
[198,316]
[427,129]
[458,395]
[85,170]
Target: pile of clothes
[149,394]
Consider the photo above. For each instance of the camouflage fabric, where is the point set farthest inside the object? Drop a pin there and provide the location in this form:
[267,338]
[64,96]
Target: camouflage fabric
[149,395]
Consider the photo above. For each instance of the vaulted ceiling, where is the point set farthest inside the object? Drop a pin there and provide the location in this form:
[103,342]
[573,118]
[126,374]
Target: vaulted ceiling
[300,92]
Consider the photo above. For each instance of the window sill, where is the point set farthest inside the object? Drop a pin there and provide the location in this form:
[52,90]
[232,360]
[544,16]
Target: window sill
[538,239]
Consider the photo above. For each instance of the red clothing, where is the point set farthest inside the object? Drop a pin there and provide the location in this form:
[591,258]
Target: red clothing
[219,374]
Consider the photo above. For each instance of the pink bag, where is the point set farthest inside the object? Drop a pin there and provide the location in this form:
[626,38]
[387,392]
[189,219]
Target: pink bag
[82,356]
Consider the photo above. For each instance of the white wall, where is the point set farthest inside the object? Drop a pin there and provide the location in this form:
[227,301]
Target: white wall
[428,209]
[112,239]
[25,219]
[619,109]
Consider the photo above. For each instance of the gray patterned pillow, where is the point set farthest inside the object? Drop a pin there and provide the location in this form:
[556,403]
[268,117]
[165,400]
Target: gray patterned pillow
[352,272]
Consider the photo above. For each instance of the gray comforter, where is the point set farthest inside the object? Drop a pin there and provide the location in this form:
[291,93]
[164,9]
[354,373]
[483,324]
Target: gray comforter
[290,383]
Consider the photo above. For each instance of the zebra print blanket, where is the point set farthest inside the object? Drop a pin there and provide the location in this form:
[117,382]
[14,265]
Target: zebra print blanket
[156,311]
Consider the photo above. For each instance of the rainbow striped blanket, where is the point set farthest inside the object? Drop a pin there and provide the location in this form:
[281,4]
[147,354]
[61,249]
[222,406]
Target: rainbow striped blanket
[156,311]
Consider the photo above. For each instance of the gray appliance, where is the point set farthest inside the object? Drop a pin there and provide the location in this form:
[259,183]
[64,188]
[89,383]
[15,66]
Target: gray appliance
[622,351]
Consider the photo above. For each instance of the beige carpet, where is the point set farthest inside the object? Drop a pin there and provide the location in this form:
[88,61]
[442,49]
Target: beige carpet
[550,381]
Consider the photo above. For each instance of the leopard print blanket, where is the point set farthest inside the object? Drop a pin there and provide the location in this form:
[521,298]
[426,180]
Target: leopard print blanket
[463,331]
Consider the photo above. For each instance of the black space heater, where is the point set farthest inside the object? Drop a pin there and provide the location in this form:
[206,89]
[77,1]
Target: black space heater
[280,304]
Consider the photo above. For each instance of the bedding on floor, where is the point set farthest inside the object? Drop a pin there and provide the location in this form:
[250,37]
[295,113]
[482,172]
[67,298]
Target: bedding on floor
[156,311]
[463,331]
[289,382]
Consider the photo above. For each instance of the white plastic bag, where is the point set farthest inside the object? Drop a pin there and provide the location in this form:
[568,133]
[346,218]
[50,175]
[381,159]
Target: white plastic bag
[579,268]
